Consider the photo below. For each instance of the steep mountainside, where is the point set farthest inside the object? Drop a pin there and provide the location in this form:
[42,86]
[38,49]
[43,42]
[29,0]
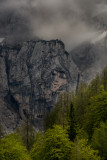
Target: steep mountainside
[31,78]
[34,73]
[91,58]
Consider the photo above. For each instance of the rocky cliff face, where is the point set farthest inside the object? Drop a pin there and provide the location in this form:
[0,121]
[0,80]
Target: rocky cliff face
[32,76]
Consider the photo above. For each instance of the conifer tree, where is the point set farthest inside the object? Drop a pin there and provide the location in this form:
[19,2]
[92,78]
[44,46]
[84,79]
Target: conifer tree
[27,132]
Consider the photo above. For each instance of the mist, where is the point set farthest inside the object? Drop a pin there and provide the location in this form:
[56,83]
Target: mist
[67,20]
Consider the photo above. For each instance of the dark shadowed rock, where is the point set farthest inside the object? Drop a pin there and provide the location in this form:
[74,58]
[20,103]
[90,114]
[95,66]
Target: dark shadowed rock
[32,77]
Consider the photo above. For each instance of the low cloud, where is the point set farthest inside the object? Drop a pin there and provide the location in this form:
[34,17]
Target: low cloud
[68,20]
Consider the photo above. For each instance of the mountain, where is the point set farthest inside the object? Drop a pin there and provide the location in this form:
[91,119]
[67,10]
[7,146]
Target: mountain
[14,26]
[91,57]
[33,73]
[32,76]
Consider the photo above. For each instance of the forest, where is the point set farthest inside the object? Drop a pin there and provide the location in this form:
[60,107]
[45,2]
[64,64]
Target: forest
[76,129]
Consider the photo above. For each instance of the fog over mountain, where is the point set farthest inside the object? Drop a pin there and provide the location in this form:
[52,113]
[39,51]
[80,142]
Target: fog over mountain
[35,65]
[68,20]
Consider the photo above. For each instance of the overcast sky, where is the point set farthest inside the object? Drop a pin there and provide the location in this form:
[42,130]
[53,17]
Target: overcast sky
[68,20]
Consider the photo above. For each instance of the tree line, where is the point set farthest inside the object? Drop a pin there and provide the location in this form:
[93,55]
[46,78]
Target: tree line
[76,129]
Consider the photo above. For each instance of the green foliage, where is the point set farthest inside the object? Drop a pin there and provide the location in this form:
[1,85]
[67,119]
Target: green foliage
[90,104]
[60,114]
[82,151]
[1,131]
[81,115]
[104,78]
[99,140]
[76,129]
[72,124]
[51,118]
[11,148]
[93,88]
[26,132]
[96,111]
[81,133]
[53,145]
[80,101]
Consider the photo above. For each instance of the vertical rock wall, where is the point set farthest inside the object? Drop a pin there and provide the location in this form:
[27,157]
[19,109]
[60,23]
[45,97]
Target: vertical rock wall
[31,78]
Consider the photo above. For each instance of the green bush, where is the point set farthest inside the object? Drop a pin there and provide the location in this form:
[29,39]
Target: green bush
[53,145]
[11,148]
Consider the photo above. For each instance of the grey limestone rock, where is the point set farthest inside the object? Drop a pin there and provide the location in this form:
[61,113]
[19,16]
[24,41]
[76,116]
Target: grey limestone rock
[32,76]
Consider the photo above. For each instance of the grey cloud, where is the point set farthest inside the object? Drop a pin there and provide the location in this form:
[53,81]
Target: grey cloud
[68,20]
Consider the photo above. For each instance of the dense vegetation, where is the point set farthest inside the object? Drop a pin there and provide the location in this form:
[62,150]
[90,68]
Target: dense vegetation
[76,129]
[11,148]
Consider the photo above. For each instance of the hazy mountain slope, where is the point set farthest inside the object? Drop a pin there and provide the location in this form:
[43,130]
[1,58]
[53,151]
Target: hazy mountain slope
[91,57]
[14,26]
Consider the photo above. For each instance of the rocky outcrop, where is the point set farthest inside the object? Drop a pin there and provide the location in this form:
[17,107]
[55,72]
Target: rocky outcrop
[34,74]
[31,78]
